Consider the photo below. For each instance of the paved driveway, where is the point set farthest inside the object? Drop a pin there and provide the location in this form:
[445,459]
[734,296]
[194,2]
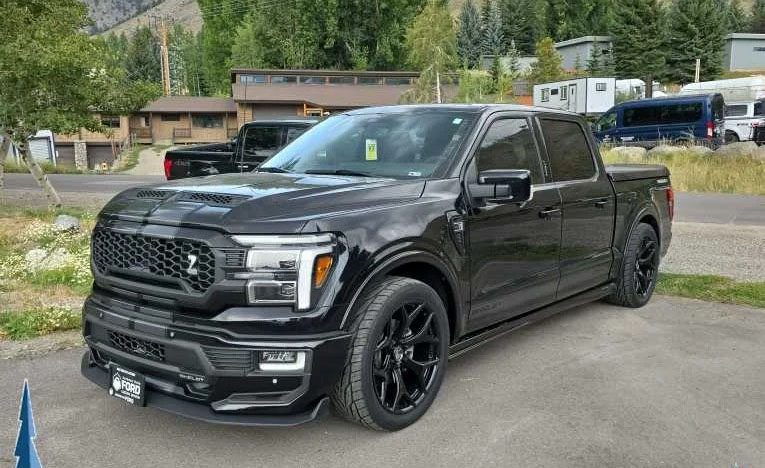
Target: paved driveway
[677,383]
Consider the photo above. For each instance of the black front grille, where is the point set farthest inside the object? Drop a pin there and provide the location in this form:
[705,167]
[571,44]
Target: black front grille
[189,261]
[230,359]
[137,346]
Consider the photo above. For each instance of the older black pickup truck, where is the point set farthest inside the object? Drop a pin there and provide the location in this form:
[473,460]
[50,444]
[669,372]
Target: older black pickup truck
[255,142]
[356,261]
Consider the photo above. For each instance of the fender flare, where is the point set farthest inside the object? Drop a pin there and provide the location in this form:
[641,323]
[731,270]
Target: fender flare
[648,208]
[402,258]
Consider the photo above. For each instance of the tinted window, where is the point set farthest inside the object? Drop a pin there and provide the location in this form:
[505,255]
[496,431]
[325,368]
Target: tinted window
[607,122]
[262,142]
[736,110]
[759,108]
[509,144]
[171,117]
[663,114]
[252,79]
[718,107]
[570,157]
[207,121]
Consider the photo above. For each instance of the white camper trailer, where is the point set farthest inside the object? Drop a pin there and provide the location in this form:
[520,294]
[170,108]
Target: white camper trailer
[585,96]
[733,90]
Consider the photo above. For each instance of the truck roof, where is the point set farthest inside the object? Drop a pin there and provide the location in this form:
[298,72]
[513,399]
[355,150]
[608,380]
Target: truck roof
[281,121]
[470,108]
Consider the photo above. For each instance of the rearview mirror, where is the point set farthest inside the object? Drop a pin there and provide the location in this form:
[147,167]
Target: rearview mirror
[502,186]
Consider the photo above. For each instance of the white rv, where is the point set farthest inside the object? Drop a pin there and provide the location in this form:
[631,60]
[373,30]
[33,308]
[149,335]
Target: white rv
[734,90]
[585,96]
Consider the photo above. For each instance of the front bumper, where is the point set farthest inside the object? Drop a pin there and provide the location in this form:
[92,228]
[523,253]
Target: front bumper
[207,374]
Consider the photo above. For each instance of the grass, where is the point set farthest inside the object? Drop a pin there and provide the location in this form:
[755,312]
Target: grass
[712,288]
[707,173]
[130,159]
[38,321]
[48,168]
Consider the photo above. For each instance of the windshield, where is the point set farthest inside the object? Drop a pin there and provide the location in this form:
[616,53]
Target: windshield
[398,145]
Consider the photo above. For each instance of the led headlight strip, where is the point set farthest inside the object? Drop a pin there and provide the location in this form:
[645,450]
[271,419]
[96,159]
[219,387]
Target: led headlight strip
[284,269]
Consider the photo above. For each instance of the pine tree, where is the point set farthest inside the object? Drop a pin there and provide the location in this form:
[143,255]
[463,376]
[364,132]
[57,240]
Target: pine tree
[547,68]
[469,35]
[513,60]
[142,60]
[736,16]
[522,23]
[638,39]
[493,39]
[758,17]
[697,31]
[600,62]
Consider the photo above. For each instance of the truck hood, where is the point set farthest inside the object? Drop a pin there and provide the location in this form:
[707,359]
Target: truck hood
[258,202]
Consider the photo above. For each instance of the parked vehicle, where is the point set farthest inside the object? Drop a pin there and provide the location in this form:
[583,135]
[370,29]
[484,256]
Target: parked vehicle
[677,119]
[255,142]
[357,260]
[742,119]
[586,96]
[733,90]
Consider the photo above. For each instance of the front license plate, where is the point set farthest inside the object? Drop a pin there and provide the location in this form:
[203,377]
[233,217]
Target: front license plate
[127,385]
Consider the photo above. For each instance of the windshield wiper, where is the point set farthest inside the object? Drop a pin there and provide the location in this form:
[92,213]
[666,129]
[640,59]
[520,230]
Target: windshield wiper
[338,172]
[275,170]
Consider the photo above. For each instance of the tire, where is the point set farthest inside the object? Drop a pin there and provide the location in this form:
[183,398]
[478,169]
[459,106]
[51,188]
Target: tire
[380,357]
[635,285]
[731,137]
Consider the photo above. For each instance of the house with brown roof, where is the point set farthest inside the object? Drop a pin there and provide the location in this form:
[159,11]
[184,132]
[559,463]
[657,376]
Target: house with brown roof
[185,119]
[268,94]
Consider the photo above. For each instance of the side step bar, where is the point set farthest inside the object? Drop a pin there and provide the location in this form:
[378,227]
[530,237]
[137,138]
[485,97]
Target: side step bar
[486,335]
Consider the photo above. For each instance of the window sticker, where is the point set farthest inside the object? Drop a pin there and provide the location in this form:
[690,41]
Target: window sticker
[371,149]
[415,174]
[457,121]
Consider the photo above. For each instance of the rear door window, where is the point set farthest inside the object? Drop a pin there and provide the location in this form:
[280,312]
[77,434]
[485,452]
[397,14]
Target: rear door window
[261,142]
[736,110]
[570,155]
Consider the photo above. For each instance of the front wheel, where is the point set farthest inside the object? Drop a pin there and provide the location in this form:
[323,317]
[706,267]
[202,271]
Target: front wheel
[640,268]
[731,137]
[397,358]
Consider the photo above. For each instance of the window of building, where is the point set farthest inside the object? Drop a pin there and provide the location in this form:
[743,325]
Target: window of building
[736,110]
[207,121]
[320,80]
[600,86]
[563,93]
[110,121]
[509,144]
[283,79]
[570,156]
[398,80]
[759,49]
[173,117]
[370,80]
[545,94]
[663,114]
[341,80]
[252,79]
[554,91]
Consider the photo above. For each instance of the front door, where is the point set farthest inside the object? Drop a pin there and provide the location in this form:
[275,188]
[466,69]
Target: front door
[589,203]
[513,246]
[572,98]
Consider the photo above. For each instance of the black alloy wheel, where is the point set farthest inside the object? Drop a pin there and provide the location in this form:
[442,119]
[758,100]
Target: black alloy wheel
[639,270]
[646,265]
[406,358]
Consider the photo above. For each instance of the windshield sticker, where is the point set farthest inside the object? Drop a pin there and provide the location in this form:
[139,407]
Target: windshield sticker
[415,174]
[321,154]
[457,121]
[371,149]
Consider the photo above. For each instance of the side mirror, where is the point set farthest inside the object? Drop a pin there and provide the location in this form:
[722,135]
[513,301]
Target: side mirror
[502,186]
[233,142]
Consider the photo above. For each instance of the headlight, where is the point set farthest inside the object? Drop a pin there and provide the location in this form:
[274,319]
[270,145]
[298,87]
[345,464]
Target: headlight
[286,269]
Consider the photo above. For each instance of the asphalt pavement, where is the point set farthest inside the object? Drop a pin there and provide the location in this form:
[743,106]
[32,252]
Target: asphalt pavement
[676,383]
[717,208]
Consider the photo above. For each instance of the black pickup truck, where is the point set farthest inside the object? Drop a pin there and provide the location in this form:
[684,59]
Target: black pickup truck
[353,264]
[255,142]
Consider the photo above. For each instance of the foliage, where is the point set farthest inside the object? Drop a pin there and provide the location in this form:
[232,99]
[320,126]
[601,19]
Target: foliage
[522,23]
[38,321]
[736,16]
[53,76]
[638,39]
[220,19]
[547,68]
[492,37]
[757,22]
[475,86]
[48,168]
[600,63]
[712,288]
[568,19]
[142,60]
[469,35]
[697,31]
[249,49]
[707,173]
[513,60]
[430,40]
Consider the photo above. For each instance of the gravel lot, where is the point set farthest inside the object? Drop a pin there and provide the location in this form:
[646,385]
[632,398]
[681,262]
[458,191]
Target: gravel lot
[676,383]
[720,249]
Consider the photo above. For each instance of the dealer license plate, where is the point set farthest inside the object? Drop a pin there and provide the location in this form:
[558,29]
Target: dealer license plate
[127,385]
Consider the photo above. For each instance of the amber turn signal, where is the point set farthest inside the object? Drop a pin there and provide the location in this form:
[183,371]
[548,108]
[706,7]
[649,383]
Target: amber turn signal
[321,270]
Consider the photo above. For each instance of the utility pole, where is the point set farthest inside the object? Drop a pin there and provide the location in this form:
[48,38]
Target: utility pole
[438,88]
[698,70]
[164,56]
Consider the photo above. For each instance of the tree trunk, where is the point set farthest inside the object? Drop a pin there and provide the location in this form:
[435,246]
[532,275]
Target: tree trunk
[649,87]
[4,148]
[42,180]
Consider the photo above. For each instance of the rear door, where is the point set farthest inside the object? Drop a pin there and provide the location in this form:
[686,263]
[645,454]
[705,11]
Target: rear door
[513,246]
[588,205]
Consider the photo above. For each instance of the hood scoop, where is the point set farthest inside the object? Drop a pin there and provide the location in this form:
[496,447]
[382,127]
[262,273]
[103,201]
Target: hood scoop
[207,198]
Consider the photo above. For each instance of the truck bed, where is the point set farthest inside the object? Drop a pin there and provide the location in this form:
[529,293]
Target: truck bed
[623,172]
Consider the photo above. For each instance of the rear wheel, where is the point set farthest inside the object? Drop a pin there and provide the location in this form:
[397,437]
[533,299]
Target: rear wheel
[397,358]
[640,268]
[731,137]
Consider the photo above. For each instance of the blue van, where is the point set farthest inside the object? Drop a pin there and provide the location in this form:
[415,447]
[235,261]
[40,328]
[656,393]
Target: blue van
[676,119]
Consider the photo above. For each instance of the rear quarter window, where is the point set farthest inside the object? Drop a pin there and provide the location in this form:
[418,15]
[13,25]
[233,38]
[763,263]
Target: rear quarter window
[570,155]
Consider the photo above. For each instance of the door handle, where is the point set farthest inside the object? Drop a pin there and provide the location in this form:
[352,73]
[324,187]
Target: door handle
[548,213]
[601,203]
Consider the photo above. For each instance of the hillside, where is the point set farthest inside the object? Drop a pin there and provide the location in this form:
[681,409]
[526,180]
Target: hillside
[107,13]
[183,12]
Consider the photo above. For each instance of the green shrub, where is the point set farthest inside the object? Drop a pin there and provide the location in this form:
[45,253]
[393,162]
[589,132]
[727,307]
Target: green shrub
[38,321]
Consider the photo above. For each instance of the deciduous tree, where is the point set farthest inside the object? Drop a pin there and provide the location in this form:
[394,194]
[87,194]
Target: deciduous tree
[547,68]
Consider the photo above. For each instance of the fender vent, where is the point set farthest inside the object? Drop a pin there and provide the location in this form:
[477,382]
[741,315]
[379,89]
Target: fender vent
[230,358]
